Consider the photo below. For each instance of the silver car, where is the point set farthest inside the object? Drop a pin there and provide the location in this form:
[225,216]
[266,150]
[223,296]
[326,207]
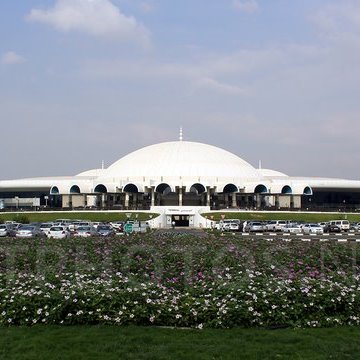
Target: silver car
[85,231]
[254,226]
[28,231]
[105,230]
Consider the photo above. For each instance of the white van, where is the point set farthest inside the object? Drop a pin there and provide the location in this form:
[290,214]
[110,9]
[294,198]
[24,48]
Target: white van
[344,225]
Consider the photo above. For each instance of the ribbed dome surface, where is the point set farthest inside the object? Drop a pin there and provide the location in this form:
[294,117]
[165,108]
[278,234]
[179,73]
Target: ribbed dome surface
[182,159]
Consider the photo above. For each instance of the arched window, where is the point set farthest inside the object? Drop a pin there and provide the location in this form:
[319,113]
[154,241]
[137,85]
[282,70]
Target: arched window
[131,188]
[230,188]
[163,188]
[100,188]
[74,190]
[197,188]
[54,190]
[286,190]
[260,189]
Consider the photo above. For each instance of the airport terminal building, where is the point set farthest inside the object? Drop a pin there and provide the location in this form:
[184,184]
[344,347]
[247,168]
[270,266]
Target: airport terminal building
[181,176]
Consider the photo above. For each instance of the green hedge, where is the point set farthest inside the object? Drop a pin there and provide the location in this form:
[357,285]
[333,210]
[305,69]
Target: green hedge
[91,216]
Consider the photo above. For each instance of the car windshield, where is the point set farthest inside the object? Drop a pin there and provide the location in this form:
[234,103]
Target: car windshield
[2,227]
[57,228]
[84,228]
[103,227]
[27,228]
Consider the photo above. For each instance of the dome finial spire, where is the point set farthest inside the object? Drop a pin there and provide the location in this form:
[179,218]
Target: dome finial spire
[181,134]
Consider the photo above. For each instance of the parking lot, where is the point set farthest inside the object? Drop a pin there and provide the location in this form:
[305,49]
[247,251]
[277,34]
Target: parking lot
[287,230]
[64,228]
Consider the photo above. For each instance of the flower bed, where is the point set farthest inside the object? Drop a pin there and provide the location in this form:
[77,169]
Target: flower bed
[171,280]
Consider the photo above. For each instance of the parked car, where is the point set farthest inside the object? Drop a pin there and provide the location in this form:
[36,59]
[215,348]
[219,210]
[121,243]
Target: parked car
[96,224]
[355,226]
[312,228]
[45,227]
[105,230]
[344,225]
[254,226]
[292,229]
[85,231]
[331,228]
[7,230]
[27,231]
[275,225]
[118,226]
[228,225]
[58,232]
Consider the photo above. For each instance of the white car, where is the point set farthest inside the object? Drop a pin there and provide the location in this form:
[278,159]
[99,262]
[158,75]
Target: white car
[6,230]
[96,224]
[312,229]
[45,227]
[275,225]
[292,229]
[58,232]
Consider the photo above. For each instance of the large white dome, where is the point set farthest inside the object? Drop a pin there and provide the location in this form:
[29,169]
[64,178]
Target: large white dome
[182,159]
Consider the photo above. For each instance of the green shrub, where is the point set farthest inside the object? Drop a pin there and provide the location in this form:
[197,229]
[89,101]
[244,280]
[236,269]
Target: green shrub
[22,218]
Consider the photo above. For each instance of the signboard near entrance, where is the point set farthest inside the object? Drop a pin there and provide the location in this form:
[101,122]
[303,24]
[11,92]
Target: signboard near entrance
[128,228]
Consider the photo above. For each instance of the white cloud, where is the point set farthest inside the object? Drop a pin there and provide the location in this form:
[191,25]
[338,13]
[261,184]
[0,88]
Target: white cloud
[339,21]
[146,7]
[248,6]
[220,87]
[94,17]
[11,58]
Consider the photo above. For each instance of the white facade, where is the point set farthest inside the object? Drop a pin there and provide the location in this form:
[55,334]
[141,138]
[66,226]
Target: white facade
[178,176]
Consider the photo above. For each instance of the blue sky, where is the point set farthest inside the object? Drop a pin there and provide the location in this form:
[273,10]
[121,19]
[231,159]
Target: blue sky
[83,81]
